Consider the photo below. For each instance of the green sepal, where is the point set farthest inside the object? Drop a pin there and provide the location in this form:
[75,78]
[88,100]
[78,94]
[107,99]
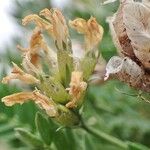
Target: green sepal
[54,89]
[45,127]
[65,66]
[29,139]
[88,63]
[66,117]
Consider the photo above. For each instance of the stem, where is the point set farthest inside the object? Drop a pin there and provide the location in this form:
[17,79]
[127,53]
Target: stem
[105,136]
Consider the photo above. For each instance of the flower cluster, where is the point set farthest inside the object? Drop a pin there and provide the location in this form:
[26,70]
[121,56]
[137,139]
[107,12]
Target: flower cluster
[60,79]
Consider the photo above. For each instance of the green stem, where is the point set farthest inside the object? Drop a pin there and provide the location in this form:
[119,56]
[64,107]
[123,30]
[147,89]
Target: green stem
[105,136]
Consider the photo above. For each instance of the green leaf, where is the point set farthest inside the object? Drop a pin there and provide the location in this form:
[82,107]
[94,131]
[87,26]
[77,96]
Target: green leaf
[88,144]
[7,128]
[136,146]
[45,127]
[29,138]
[65,140]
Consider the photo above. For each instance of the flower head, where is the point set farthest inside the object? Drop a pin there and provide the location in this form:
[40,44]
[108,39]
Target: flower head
[62,84]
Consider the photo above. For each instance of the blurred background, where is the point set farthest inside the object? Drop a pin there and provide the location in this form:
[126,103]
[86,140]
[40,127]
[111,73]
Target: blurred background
[124,116]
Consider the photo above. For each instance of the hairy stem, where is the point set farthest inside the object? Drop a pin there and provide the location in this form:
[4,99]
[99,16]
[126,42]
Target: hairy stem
[105,136]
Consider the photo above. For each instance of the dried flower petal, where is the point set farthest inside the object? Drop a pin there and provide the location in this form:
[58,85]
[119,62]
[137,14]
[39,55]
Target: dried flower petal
[77,87]
[45,103]
[33,50]
[18,73]
[41,100]
[31,61]
[18,98]
[91,29]
[41,23]
[60,29]
[29,66]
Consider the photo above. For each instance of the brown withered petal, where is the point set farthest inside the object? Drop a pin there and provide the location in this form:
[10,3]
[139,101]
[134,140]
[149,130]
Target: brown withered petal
[41,23]
[60,29]
[45,103]
[31,55]
[18,73]
[77,87]
[79,24]
[95,33]
[41,100]
[35,45]
[28,66]
[47,14]
[91,29]
[18,98]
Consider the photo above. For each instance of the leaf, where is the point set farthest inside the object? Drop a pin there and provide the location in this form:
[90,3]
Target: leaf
[45,127]
[136,146]
[29,138]
[27,117]
[88,144]
[7,128]
[60,141]
[65,140]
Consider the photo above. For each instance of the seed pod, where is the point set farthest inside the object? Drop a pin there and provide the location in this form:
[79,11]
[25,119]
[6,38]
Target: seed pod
[125,70]
[119,34]
[136,17]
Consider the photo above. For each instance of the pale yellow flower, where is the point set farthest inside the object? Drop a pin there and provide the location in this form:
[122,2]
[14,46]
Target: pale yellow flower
[19,98]
[91,29]
[50,71]
[60,29]
[41,100]
[31,55]
[18,73]
[77,87]
[41,23]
